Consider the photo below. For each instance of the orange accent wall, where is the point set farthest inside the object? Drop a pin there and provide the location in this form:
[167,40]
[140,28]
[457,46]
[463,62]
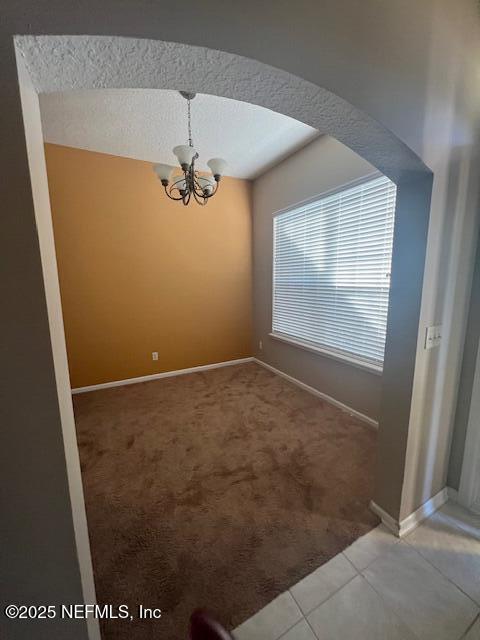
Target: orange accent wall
[140,273]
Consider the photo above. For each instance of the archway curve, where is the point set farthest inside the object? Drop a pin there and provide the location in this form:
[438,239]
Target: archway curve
[62,63]
[65,62]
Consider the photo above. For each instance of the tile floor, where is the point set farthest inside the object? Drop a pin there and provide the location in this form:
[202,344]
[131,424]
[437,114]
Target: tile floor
[423,587]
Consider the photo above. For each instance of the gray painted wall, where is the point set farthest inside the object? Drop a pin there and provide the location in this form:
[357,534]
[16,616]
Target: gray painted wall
[320,166]
[466,381]
[39,559]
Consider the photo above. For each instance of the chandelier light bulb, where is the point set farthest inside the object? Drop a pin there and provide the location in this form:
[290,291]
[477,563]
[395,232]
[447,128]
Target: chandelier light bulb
[164,172]
[207,183]
[179,183]
[217,167]
[185,154]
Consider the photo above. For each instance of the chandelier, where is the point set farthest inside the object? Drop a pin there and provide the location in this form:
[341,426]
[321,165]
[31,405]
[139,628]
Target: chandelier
[190,184]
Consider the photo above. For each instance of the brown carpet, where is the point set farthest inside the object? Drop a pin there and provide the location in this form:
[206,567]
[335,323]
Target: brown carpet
[218,489]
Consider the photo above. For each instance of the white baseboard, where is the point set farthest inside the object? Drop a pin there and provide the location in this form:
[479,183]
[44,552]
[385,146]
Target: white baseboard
[400,529]
[386,518]
[157,376]
[227,363]
[430,506]
[319,394]
[412,521]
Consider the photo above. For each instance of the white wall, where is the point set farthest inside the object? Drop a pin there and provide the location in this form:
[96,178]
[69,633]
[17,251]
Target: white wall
[322,165]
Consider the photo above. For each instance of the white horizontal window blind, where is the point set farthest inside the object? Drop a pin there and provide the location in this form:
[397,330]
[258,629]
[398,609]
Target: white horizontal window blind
[331,275]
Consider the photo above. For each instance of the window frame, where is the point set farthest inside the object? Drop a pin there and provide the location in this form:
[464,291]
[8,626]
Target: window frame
[350,359]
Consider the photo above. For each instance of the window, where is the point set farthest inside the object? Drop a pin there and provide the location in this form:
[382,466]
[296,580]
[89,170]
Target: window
[331,272]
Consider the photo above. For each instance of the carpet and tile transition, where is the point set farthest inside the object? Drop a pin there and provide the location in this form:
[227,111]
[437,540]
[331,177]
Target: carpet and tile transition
[217,489]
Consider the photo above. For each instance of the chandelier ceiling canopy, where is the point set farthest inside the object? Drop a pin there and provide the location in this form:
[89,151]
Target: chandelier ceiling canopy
[190,184]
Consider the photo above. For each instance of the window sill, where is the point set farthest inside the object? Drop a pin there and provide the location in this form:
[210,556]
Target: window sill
[354,362]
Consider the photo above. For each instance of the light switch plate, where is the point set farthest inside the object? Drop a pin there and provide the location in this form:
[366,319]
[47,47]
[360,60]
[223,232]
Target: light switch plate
[433,336]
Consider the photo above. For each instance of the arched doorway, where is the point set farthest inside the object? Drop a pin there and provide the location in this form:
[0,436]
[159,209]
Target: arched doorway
[74,62]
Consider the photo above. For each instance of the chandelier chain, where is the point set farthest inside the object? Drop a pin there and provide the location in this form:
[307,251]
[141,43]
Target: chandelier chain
[190,142]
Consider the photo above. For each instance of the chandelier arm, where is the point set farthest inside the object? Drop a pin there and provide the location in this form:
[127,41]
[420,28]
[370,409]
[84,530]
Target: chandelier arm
[212,193]
[169,194]
[197,187]
[200,190]
[199,199]
[178,179]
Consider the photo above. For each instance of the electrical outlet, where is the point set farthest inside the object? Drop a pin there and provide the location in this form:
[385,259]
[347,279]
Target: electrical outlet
[433,336]
[154,355]
[260,345]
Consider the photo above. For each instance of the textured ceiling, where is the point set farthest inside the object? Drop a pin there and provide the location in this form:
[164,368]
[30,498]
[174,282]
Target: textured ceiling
[147,123]
[63,63]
